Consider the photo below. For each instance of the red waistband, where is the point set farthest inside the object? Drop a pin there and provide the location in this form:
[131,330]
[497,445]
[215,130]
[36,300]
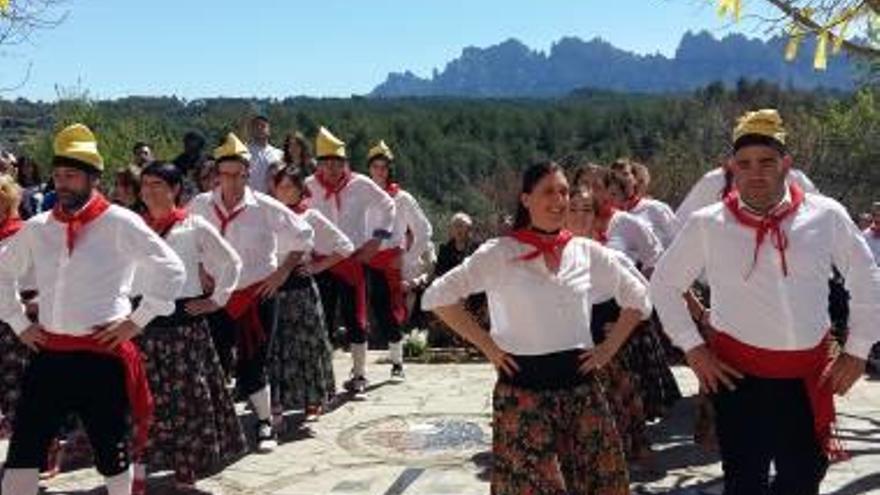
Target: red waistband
[807,365]
[137,386]
[244,308]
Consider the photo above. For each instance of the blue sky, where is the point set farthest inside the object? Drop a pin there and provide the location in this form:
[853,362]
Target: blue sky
[197,48]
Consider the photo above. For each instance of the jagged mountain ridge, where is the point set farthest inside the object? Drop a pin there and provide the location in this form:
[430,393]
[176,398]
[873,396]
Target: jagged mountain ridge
[512,69]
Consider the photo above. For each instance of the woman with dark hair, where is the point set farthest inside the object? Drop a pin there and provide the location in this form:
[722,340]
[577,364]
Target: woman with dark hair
[553,431]
[627,197]
[298,153]
[644,354]
[195,430]
[620,385]
[300,354]
[126,189]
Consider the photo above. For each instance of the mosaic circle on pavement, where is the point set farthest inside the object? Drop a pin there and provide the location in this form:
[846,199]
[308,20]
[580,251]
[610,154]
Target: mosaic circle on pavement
[420,438]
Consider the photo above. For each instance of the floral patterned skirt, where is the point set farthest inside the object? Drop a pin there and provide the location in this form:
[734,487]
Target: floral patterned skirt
[195,429]
[300,359]
[645,357]
[14,357]
[625,402]
[556,442]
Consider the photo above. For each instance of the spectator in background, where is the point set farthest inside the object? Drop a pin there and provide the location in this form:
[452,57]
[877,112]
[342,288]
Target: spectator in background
[207,176]
[193,153]
[263,154]
[7,163]
[32,185]
[141,154]
[458,247]
[865,220]
[872,232]
[298,153]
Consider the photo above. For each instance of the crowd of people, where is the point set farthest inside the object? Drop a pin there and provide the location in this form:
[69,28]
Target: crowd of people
[189,285]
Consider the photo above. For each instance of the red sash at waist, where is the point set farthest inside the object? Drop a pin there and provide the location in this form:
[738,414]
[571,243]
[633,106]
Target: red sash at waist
[388,261]
[244,308]
[807,364]
[137,386]
[351,272]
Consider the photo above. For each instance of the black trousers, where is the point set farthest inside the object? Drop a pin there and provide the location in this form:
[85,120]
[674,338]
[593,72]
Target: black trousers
[768,421]
[339,297]
[57,384]
[379,295]
[250,371]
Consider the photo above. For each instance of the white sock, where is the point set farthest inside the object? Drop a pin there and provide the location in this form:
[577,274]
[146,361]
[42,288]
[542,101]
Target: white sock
[395,352]
[121,483]
[359,359]
[262,402]
[21,481]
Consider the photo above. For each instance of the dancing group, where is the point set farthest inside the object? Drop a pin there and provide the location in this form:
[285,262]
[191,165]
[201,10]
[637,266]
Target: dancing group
[134,322]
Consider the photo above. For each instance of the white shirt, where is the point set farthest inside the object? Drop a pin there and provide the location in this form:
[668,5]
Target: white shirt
[765,308]
[409,216]
[261,158]
[873,241]
[364,209]
[708,190]
[92,286]
[197,242]
[659,216]
[634,238]
[262,235]
[328,239]
[534,311]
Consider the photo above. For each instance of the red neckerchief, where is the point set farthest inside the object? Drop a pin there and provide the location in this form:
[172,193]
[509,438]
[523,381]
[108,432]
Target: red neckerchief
[225,220]
[333,190]
[605,214]
[768,224]
[163,226]
[632,202]
[544,246]
[76,222]
[10,227]
[301,206]
[392,189]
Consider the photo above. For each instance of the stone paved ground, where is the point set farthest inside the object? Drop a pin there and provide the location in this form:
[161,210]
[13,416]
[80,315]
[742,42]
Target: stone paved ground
[429,436]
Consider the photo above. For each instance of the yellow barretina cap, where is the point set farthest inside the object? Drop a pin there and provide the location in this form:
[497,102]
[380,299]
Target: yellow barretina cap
[765,122]
[328,145]
[76,142]
[380,150]
[232,147]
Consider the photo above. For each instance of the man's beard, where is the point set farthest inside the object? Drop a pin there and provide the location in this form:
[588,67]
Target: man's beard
[73,201]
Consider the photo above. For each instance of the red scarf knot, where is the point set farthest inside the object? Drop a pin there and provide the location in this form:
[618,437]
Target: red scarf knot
[604,215]
[225,219]
[301,206]
[76,222]
[333,190]
[163,225]
[770,223]
[10,227]
[632,202]
[392,189]
[550,247]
